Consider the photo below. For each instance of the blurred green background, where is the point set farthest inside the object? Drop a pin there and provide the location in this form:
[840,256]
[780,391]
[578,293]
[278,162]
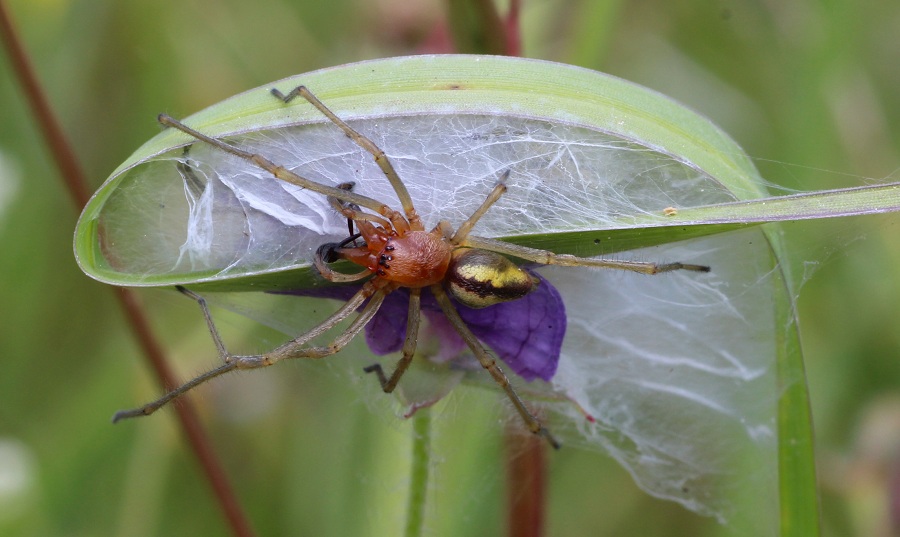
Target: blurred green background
[808,88]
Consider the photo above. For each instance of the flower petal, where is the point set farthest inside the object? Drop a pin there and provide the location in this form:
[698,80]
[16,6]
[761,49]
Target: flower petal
[527,333]
[386,331]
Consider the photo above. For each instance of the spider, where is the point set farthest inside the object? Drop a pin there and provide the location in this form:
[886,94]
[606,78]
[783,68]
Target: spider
[398,252]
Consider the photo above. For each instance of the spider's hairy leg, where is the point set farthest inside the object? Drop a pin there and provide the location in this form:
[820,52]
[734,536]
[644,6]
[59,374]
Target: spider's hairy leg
[373,291]
[353,213]
[282,173]
[533,424]
[545,257]
[380,158]
[341,341]
[409,345]
[466,227]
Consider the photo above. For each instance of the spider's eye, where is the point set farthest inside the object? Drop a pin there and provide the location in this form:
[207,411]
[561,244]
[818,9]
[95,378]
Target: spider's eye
[478,278]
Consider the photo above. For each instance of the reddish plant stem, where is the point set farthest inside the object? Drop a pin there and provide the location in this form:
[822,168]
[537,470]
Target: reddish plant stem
[187,415]
[526,472]
[513,31]
[72,176]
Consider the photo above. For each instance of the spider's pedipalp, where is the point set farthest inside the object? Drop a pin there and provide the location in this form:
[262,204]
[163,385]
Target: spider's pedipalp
[327,253]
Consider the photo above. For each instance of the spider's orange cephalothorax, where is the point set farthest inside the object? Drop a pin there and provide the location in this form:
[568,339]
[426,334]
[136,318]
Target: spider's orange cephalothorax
[415,259]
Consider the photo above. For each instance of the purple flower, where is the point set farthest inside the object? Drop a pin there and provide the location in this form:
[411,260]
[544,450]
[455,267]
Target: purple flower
[526,334]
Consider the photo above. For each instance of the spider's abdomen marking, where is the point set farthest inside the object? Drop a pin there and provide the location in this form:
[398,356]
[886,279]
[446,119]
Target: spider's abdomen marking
[479,278]
[417,259]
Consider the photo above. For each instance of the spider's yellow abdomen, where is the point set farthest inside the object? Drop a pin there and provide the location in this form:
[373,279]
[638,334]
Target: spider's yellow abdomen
[479,278]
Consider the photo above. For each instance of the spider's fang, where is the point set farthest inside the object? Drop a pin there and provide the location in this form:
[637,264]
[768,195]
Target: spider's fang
[327,252]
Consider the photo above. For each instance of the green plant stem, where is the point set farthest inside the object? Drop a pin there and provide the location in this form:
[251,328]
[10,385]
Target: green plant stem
[798,490]
[418,479]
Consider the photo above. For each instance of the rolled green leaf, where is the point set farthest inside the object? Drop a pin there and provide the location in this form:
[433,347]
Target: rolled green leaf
[694,382]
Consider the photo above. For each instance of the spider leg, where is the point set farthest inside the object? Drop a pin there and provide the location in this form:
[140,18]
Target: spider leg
[343,339]
[354,214]
[533,424]
[409,345]
[545,257]
[466,227]
[380,158]
[375,290]
[282,173]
